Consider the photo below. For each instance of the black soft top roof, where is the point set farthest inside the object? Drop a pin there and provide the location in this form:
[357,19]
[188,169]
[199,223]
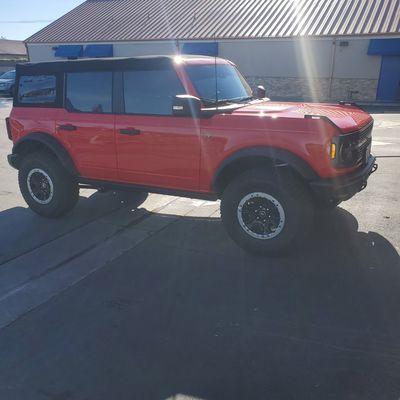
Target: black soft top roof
[95,64]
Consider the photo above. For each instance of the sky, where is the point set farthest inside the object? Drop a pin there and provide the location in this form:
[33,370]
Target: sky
[20,19]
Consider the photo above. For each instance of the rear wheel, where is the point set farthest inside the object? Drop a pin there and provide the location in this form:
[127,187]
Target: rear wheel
[46,186]
[266,212]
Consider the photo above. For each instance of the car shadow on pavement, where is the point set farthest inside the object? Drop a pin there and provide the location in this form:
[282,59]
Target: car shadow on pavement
[186,314]
[321,322]
[21,230]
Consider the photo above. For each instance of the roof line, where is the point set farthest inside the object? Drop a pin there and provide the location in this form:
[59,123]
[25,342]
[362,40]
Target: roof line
[27,40]
[349,35]
[155,20]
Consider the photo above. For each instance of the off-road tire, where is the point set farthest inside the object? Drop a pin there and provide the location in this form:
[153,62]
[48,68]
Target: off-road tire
[65,189]
[290,194]
[326,206]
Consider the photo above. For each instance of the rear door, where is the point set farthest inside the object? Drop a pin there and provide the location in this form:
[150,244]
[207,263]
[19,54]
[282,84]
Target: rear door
[155,148]
[86,124]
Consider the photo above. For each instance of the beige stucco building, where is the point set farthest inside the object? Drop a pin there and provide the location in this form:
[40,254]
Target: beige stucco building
[305,49]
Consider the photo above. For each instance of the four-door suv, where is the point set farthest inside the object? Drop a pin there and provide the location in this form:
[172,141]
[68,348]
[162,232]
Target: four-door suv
[188,126]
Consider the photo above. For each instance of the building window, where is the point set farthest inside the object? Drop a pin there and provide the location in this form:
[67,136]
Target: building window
[37,89]
[68,51]
[89,92]
[201,48]
[151,91]
[98,50]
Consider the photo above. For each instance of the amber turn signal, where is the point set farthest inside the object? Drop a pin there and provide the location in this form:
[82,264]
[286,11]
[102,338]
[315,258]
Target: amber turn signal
[333,151]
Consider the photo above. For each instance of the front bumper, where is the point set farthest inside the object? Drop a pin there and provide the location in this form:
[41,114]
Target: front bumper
[344,187]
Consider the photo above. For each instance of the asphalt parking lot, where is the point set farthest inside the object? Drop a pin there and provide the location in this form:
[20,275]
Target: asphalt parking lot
[114,302]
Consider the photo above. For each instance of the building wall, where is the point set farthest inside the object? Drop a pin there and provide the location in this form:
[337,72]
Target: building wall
[45,52]
[144,49]
[311,69]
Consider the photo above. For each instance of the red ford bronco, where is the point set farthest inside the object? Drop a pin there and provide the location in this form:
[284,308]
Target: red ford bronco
[188,126]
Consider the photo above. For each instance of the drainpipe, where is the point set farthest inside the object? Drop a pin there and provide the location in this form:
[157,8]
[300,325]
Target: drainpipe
[332,68]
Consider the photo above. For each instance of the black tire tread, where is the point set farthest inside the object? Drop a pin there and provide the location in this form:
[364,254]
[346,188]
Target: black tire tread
[290,188]
[66,192]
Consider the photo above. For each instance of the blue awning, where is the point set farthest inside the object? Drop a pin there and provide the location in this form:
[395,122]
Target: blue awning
[69,51]
[384,47]
[98,50]
[201,48]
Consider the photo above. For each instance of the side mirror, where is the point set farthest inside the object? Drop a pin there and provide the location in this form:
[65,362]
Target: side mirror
[185,105]
[261,93]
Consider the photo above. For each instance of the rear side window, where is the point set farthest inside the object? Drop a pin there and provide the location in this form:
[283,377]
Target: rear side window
[89,92]
[37,89]
[151,91]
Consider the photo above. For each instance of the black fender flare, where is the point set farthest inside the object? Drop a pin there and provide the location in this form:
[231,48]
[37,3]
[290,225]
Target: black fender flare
[52,144]
[280,158]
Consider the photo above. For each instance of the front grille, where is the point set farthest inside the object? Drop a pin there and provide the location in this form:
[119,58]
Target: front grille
[365,132]
[354,147]
[361,144]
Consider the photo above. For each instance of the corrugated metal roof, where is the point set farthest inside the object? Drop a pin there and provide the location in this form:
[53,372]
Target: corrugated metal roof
[121,20]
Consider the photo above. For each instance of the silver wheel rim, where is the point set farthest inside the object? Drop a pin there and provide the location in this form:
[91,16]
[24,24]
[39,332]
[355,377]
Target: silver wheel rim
[40,186]
[269,215]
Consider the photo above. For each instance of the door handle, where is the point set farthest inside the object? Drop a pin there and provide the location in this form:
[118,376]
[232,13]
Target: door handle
[67,127]
[129,131]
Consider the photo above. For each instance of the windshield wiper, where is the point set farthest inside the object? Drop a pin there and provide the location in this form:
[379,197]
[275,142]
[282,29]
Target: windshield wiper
[212,102]
[242,99]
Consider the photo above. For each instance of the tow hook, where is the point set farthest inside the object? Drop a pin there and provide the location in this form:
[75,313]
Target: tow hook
[374,168]
[363,186]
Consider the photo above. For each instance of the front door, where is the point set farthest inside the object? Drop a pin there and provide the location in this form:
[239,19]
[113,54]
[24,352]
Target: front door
[389,81]
[86,124]
[155,148]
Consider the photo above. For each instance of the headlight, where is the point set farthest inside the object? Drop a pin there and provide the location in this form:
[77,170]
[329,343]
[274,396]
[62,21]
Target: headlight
[346,153]
[342,152]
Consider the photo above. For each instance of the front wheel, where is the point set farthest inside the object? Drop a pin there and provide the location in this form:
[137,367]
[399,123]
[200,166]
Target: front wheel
[327,205]
[267,212]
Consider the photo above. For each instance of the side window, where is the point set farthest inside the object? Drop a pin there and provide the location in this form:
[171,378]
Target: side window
[37,89]
[89,92]
[151,91]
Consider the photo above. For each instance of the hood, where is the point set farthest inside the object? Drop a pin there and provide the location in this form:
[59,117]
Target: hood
[347,118]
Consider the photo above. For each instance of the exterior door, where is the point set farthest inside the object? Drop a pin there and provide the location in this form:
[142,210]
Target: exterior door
[389,81]
[87,126]
[155,148]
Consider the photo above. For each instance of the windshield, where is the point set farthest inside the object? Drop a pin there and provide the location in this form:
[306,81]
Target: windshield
[230,85]
[8,75]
